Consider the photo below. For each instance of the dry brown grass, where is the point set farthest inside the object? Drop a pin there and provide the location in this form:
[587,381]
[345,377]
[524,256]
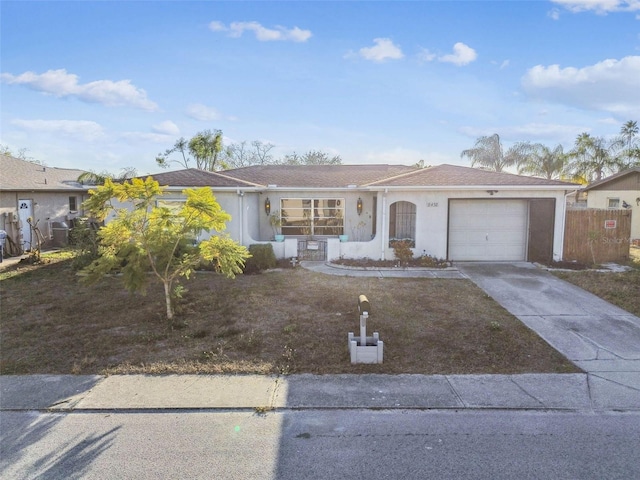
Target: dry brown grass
[289,321]
[621,289]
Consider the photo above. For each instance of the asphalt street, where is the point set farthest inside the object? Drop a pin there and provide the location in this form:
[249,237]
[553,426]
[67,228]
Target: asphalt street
[316,444]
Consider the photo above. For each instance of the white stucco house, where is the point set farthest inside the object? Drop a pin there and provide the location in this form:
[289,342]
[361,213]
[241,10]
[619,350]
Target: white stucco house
[47,195]
[619,191]
[356,211]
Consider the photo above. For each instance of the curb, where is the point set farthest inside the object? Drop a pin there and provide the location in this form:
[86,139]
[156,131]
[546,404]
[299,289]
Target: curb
[263,394]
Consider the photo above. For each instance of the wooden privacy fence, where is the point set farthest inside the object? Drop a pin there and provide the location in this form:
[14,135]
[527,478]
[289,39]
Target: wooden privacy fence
[597,236]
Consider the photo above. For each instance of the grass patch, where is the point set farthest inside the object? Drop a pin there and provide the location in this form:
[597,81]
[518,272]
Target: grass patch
[621,289]
[289,321]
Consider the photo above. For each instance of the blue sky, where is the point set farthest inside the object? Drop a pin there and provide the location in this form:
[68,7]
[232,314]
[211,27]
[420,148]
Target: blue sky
[107,85]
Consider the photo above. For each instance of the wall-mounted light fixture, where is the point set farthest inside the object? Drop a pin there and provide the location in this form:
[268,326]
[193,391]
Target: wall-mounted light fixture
[267,206]
[359,206]
[491,192]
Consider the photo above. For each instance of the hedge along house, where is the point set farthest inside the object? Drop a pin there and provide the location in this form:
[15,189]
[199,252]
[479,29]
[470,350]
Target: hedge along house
[47,195]
[357,211]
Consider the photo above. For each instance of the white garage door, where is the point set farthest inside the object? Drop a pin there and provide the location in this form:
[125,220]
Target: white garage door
[488,230]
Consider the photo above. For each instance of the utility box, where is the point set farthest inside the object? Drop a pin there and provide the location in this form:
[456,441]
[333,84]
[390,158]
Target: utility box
[60,233]
[3,238]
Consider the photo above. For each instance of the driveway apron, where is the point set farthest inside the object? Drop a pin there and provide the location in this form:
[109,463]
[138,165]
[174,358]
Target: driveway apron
[598,337]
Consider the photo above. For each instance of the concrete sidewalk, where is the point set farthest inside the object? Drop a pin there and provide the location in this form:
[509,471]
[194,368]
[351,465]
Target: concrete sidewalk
[10,261]
[65,393]
[381,272]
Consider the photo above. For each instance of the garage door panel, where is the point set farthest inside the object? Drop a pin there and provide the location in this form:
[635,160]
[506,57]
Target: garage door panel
[488,230]
[504,252]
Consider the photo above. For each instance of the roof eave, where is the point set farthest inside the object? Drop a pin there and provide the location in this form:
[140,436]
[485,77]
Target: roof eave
[382,188]
[474,187]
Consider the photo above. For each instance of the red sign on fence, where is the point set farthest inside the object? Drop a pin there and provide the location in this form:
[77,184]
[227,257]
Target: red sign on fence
[609,224]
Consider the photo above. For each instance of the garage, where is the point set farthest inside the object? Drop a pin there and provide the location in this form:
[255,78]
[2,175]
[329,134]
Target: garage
[488,230]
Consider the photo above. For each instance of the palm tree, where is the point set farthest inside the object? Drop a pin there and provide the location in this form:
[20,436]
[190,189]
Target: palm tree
[595,157]
[93,178]
[628,134]
[205,147]
[488,154]
[541,161]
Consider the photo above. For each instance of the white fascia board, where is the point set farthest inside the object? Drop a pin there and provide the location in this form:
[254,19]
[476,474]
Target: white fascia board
[316,189]
[174,188]
[476,188]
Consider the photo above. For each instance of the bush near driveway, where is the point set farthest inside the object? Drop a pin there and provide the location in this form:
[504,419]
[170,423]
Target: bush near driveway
[287,321]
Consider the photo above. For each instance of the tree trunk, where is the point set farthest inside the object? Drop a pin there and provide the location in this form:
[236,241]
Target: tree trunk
[167,297]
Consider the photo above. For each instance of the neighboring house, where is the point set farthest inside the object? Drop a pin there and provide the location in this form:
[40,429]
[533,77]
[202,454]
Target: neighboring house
[447,211]
[49,196]
[619,191]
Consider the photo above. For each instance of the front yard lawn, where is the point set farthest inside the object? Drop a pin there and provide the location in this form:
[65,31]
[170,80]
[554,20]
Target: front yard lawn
[621,289]
[288,321]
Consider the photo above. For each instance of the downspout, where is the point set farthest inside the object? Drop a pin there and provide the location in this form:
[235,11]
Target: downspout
[383,229]
[241,215]
[564,222]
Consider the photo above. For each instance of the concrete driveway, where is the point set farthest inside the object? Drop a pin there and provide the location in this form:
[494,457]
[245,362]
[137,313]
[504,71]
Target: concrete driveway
[598,337]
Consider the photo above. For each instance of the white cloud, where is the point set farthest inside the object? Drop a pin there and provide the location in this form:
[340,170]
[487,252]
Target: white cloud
[262,34]
[534,132]
[610,85]
[542,130]
[62,84]
[82,129]
[503,65]
[426,55]
[408,156]
[554,14]
[167,128]
[146,137]
[462,55]
[398,155]
[601,7]
[197,111]
[609,121]
[384,49]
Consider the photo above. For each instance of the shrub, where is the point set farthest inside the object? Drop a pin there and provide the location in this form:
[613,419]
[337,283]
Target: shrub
[402,251]
[433,262]
[83,240]
[262,258]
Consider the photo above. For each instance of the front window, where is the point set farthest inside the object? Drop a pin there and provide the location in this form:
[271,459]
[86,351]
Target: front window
[613,203]
[73,204]
[306,216]
[402,222]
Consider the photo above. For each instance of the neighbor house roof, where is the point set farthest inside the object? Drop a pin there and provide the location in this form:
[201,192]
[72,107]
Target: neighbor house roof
[617,176]
[17,174]
[455,175]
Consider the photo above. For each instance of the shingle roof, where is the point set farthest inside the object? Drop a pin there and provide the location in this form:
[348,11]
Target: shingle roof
[192,177]
[316,176]
[17,174]
[613,177]
[342,176]
[454,175]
